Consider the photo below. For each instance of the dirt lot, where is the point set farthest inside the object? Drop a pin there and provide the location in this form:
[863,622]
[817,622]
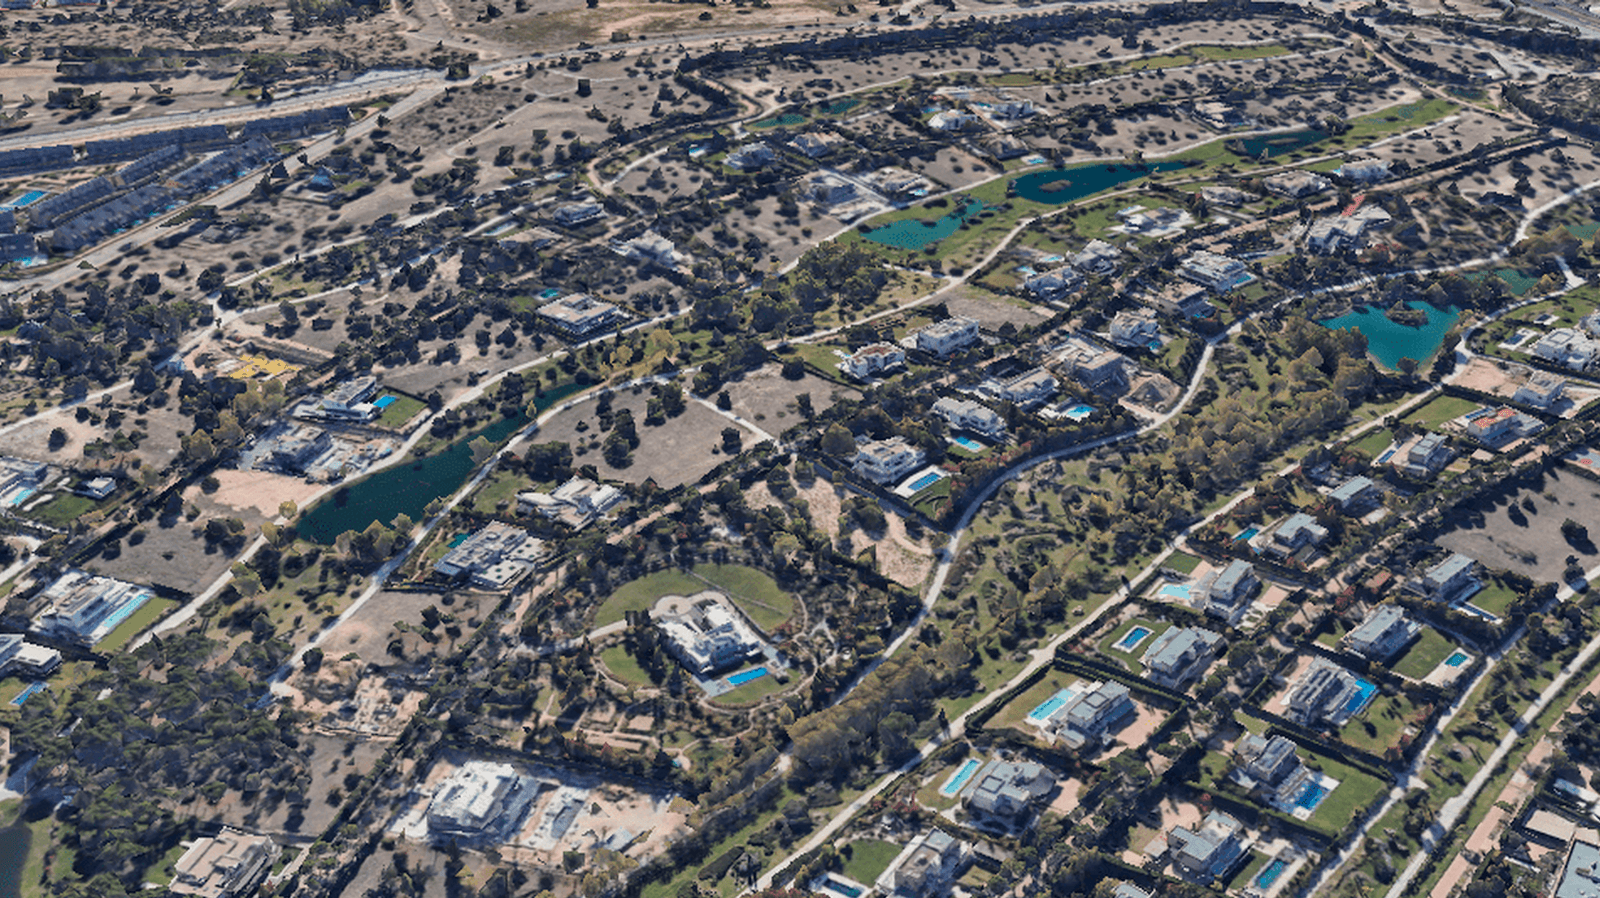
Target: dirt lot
[173,554]
[677,452]
[157,448]
[765,397]
[993,310]
[902,559]
[1503,532]
[369,632]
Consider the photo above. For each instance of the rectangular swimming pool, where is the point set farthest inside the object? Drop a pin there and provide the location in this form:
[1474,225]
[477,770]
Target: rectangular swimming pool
[1132,638]
[27,199]
[925,481]
[1310,796]
[1051,705]
[959,778]
[1364,693]
[844,888]
[383,401]
[968,444]
[1457,659]
[745,676]
[24,695]
[1247,533]
[1178,591]
[1270,873]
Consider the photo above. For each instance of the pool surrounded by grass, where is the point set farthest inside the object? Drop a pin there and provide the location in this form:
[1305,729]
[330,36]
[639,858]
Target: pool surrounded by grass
[915,233]
[1132,638]
[925,481]
[1389,342]
[1270,873]
[745,676]
[1311,795]
[384,401]
[1049,706]
[1066,185]
[32,690]
[1364,693]
[968,444]
[959,778]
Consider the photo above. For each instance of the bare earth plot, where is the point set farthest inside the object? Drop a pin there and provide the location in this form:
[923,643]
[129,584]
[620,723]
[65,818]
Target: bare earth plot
[1502,533]
[677,452]
[368,633]
[766,397]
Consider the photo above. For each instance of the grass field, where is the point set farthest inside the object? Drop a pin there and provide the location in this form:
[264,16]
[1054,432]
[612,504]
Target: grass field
[1440,410]
[752,692]
[1495,598]
[1355,791]
[753,591]
[148,613]
[401,410]
[1373,443]
[63,509]
[1015,713]
[868,858]
[623,667]
[1424,655]
[1378,728]
[1183,562]
[1247,872]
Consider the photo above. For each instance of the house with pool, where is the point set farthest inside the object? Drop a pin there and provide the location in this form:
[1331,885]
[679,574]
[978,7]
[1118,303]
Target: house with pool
[1273,773]
[705,634]
[1455,579]
[965,414]
[1381,634]
[1210,851]
[885,461]
[1084,715]
[83,608]
[1226,593]
[1181,655]
[1007,792]
[928,866]
[1327,693]
[1295,533]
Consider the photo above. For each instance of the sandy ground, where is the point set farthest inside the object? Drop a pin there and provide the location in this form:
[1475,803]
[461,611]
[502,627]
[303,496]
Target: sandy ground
[1139,731]
[379,711]
[260,491]
[1066,800]
[1279,703]
[900,558]
[1503,378]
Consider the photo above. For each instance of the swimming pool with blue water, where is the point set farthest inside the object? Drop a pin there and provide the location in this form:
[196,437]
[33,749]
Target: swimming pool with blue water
[925,481]
[1457,659]
[1175,591]
[384,401]
[959,778]
[1050,705]
[1364,693]
[745,676]
[1270,873]
[1132,638]
[1310,796]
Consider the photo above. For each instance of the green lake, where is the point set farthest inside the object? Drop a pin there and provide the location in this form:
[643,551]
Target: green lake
[1277,144]
[1066,185]
[787,120]
[1389,342]
[408,487]
[915,233]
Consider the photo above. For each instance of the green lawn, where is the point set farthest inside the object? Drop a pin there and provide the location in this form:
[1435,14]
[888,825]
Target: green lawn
[866,859]
[151,611]
[1373,443]
[1183,562]
[63,509]
[1108,646]
[1440,410]
[1378,728]
[1015,713]
[161,872]
[1424,655]
[401,410]
[1495,598]
[642,593]
[624,667]
[752,692]
[1356,790]
[501,486]
[753,591]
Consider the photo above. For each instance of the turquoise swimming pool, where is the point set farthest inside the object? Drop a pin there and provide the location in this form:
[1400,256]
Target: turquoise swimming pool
[968,444]
[1247,533]
[121,614]
[28,692]
[959,778]
[1270,873]
[384,401]
[925,481]
[1457,659]
[1364,693]
[1175,591]
[1050,706]
[745,676]
[1310,796]
[1079,412]
[1132,638]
